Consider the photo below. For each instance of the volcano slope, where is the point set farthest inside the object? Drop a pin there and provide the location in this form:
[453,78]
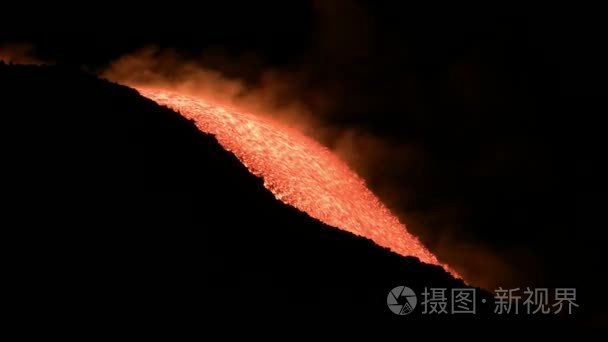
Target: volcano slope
[120,205]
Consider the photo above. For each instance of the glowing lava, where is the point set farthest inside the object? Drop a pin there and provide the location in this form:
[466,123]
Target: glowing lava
[299,172]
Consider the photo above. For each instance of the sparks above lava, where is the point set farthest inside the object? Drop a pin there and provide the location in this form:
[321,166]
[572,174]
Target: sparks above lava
[299,172]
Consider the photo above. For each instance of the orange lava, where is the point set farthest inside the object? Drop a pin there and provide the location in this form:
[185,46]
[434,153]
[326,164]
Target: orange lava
[299,172]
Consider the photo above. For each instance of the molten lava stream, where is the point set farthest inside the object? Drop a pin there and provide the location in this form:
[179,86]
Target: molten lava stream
[299,172]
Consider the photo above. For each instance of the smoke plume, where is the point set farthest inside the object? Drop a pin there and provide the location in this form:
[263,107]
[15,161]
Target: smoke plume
[18,53]
[349,82]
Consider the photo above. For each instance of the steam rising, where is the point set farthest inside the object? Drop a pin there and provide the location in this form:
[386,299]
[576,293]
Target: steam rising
[317,95]
[18,54]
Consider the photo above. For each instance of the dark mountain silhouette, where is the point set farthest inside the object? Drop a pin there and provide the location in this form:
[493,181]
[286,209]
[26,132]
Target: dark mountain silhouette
[123,209]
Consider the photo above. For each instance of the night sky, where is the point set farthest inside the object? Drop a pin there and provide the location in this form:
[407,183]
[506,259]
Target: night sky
[481,131]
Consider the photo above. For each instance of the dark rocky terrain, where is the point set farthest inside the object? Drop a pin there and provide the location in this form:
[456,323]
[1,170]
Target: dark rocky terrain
[119,211]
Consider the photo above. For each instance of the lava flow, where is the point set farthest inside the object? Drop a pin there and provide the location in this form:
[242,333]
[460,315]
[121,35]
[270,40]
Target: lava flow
[299,172]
